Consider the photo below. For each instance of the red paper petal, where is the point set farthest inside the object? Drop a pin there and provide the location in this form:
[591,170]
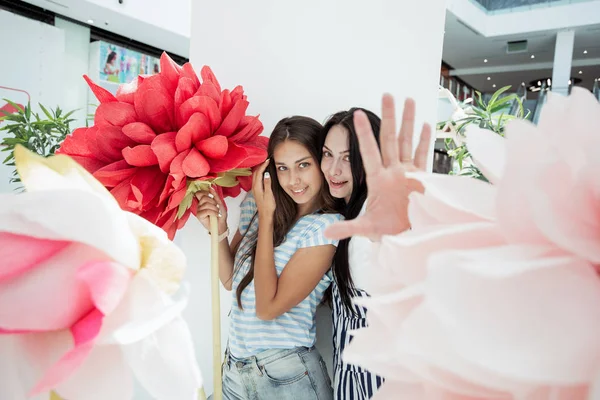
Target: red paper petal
[153,214]
[103,95]
[176,170]
[122,193]
[225,103]
[171,71]
[245,182]
[76,143]
[214,147]
[195,165]
[147,185]
[230,124]
[114,114]
[254,156]
[237,94]
[185,90]
[208,76]
[113,174]
[249,128]
[168,224]
[76,146]
[204,105]
[195,130]
[110,141]
[154,104]
[91,164]
[187,71]
[140,156]
[238,157]
[139,132]
[126,92]
[208,89]
[176,199]
[262,142]
[164,148]
[232,191]
[167,190]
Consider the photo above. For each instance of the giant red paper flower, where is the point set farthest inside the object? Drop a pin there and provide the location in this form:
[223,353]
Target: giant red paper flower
[165,136]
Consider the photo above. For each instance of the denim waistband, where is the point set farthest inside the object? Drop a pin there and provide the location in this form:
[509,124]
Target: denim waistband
[266,356]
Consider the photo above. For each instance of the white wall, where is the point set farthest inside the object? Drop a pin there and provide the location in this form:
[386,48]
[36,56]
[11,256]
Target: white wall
[33,55]
[313,58]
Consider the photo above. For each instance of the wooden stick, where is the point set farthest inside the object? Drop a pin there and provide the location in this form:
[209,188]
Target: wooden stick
[216,308]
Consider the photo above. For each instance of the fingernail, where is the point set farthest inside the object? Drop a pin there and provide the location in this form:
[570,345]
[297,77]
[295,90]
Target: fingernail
[211,196]
[220,215]
[218,206]
[267,175]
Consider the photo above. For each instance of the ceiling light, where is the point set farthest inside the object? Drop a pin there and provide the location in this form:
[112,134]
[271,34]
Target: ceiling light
[522,83]
[494,85]
[485,60]
[533,56]
[90,21]
[539,83]
[585,52]
[580,72]
[489,78]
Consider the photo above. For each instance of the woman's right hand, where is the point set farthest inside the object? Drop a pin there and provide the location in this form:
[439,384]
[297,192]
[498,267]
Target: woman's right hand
[210,204]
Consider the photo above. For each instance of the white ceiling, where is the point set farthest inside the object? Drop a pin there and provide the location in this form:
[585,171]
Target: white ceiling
[466,49]
[162,24]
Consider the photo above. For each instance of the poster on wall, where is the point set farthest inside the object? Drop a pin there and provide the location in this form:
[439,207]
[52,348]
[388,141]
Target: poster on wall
[120,65]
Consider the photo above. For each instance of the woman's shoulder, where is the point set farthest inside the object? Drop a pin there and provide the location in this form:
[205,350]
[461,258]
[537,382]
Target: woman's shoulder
[323,218]
[319,221]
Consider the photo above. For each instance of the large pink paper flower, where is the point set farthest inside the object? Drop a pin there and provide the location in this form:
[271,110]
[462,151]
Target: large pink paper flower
[495,294]
[85,293]
[163,136]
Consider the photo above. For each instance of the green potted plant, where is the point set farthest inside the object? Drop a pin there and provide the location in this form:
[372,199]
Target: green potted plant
[42,135]
[493,114]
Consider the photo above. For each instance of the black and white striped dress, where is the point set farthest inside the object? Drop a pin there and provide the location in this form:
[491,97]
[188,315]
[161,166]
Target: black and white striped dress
[350,382]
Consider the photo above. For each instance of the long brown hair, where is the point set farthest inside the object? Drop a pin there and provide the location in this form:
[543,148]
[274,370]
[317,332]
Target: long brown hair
[306,132]
[341,263]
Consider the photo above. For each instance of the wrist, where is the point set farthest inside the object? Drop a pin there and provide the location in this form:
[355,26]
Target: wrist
[265,219]
[223,228]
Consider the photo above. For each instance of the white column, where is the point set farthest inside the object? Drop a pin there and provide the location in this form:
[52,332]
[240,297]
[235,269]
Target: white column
[563,57]
[313,58]
[76,64]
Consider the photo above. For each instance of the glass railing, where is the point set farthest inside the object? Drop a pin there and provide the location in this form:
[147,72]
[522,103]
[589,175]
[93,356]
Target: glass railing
[519,5]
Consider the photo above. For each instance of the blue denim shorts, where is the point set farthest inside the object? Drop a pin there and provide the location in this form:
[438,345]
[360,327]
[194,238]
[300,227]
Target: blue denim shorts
[290,374]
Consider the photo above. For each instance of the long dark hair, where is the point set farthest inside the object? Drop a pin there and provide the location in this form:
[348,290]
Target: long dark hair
[306,132]
[341,266]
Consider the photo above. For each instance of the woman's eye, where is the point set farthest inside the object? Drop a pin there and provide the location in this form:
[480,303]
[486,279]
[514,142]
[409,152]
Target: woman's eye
[347,158]
[304,165]
[281,168]
[326,154]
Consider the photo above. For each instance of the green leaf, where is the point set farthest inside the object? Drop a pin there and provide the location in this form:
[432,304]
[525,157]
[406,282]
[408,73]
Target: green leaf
[503,103]
[496,95]
[45,111]
[15,105]
[67,115]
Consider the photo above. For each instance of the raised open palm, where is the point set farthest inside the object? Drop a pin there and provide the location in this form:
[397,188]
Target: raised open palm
[387,202]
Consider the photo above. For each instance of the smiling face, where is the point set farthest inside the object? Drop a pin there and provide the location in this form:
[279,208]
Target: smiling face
[335,163]
[298,173]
